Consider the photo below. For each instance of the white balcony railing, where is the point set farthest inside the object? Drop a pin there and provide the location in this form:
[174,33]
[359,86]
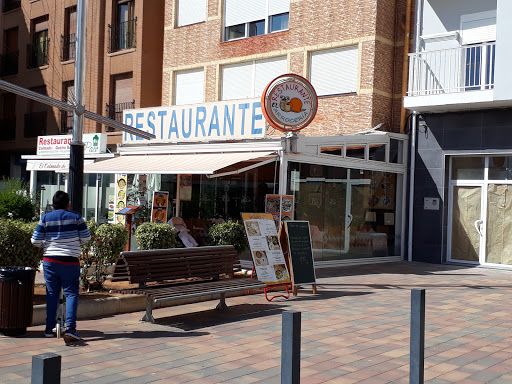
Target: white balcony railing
[466,68]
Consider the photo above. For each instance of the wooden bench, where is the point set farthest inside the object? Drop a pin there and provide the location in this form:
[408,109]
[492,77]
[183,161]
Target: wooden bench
[180,273]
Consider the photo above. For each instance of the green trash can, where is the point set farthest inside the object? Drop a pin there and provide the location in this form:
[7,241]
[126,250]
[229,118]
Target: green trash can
[16,299]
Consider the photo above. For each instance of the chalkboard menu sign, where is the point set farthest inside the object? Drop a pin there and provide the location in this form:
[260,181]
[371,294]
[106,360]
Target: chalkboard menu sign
[300,252]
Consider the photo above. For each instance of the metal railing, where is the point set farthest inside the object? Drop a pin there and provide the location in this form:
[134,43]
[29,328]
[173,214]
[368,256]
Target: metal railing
[9,5]
[66,122]
[37,53]
[35,124]
[461,69]
[9,63]
[122,35]
[115,111]
[7,129]
[68,47]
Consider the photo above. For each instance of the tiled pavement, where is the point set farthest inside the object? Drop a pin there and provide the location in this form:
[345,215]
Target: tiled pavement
[355,330]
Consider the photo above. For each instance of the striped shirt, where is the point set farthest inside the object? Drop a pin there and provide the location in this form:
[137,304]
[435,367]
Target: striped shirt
[61,233]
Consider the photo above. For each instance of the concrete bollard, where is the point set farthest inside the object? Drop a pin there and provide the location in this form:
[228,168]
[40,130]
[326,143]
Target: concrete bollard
[417,356]
[290,348]
[46,368]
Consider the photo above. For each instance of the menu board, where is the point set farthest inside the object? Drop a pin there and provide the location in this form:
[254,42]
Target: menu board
[266,250]
[185,187]
[280,206]
[121,192]
[300,252]
[160,204]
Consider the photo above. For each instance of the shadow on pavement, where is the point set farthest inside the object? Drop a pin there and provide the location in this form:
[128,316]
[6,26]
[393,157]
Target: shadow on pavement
[326,294]
[213,317]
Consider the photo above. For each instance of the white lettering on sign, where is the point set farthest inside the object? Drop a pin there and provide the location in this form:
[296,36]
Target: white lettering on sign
[225,120]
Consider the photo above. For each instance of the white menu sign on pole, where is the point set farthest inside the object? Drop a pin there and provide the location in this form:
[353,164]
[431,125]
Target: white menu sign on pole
[266,250]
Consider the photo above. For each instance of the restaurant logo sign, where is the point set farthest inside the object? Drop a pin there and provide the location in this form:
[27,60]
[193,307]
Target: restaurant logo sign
[59,144]
[289,103]
[223,120]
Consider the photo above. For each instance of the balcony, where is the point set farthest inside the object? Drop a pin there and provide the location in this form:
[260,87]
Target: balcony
[115,112]
[68,47]
[456,76]
[35,124]
[37,54]
[7,129]
[9,5]
[66,122]
[9,63]
[122,36]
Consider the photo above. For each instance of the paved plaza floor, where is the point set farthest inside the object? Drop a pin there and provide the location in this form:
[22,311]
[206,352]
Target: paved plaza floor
[355,330]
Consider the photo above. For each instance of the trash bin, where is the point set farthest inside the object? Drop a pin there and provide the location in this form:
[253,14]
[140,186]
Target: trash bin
[16,299]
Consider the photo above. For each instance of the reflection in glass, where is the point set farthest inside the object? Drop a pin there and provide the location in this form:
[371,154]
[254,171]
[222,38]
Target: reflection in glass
[396,151]
[465,244]
[500,168]
[235,32]
[377,152]
[467,168]
[499,224]
[356,151]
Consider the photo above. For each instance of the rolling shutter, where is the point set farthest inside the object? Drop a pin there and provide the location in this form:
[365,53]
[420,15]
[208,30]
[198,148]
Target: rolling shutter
[266,71]
[237,81]
[478,28]
[244,11]
[334,71]
[276,7]
[189,87]
[191,12]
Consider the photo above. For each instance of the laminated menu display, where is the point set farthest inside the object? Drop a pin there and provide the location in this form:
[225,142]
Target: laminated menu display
[266,250]
[121,196]
[159,211]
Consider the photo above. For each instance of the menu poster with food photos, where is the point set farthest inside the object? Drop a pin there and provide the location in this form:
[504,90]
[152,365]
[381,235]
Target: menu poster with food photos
[266,250]
[185,187]
[380,194]
[160,204]
[121,196]
[280,206]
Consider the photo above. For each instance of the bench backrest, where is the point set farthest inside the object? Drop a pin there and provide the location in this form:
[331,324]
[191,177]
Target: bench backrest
[176,263]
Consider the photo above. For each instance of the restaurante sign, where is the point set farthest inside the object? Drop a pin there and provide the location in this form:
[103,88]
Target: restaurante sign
[223,120]
[59,144]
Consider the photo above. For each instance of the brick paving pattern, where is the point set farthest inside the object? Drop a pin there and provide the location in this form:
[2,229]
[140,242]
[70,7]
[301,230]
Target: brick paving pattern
[355,330]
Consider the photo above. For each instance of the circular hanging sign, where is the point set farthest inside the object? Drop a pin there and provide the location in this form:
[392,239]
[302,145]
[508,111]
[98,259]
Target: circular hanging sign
[289,103]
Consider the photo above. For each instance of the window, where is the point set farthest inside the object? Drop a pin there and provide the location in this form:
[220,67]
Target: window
[9,58]
[246,80]
[68,95]
[68,40]
[8,122]
[122,32]
[38,51]
[334,71]
[191,12]
[247,18]
[121,97]
[35,119]
[189,87]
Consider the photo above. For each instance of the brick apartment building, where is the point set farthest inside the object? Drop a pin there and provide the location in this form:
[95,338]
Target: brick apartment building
[37,48]
[351,51]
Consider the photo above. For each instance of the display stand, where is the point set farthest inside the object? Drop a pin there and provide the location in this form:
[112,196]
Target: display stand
[270,288]
[128,212]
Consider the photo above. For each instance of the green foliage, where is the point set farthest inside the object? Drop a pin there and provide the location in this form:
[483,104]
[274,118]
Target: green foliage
[15,201]
[155,236]
[228,233]
[15,246]
[107,242]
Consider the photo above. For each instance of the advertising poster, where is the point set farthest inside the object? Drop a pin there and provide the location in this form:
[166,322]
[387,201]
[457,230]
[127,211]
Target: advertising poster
[185,187]
[266,250]
[160,204]
[121,192]
[380,194]
[111,208]
[281,207]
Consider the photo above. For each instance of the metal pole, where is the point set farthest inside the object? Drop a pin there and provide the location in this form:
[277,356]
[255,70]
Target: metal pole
[76,154]
[46,369]
[417,358]
[290,348]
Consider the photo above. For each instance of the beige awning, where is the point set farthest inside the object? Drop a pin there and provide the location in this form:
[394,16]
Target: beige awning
[183,163]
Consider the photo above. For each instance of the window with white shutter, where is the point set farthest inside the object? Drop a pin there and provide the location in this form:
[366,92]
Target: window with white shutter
[334,71]
[247,80]
[247,18]
[189,87]
[191,12]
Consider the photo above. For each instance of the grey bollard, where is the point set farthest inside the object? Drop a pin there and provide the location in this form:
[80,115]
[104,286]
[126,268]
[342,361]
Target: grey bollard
[46,369]
[290,348]
[417,357]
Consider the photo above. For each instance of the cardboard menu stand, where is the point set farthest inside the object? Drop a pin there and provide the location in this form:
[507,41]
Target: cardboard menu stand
[267,254]
[121,197]
[160,205]
[296,242]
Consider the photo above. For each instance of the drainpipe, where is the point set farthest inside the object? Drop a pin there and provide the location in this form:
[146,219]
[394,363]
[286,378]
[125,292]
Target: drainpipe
[412,161]
[405,71]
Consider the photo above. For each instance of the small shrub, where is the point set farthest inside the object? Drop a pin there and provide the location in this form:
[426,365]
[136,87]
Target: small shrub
[155,236]
[15,201]
[15,247]
[228,233]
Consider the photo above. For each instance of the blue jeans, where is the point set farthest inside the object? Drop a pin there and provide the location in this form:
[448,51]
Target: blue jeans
[59,276]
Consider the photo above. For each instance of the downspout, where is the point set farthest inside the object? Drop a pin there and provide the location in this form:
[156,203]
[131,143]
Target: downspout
[405,71]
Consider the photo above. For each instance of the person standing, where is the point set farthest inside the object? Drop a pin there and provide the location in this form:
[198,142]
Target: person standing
[61,233]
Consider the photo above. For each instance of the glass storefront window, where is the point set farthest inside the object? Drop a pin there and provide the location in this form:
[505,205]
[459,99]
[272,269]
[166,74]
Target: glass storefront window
[500,168]
[356,151]
[396,151]
[377,152]
[353,213]
[468,168]
[334,150]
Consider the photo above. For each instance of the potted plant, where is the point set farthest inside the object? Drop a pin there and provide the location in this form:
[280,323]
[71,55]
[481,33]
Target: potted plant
[19,260]
[228,233]
[155,236]
[107,242]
